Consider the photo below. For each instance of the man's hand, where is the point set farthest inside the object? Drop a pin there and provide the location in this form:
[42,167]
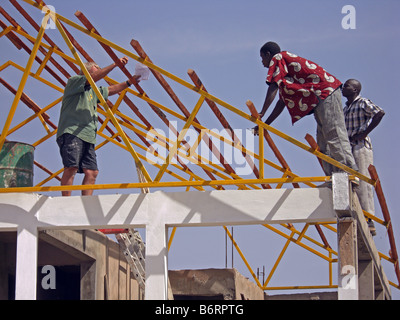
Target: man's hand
[124,60]
[373,124]
[134,79]
[255,130]
[358,137]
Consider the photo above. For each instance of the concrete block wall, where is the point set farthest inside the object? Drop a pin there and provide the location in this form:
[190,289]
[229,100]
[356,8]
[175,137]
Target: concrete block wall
[216,284]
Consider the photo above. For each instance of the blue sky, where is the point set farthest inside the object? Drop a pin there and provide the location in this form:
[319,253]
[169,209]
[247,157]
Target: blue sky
[220,40]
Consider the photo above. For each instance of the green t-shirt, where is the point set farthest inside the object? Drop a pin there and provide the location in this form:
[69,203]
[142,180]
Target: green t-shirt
[78,115]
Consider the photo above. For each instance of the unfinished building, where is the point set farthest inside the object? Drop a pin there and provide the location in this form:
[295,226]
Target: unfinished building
[38,229]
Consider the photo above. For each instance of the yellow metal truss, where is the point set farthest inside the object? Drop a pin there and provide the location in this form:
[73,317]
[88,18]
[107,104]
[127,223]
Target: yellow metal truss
[118,128]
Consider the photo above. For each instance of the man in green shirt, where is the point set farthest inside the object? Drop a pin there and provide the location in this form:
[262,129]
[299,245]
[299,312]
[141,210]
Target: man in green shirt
[77,126]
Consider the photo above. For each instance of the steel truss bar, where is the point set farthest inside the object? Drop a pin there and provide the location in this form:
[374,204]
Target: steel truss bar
[171,184]
[22,84]
[207,95]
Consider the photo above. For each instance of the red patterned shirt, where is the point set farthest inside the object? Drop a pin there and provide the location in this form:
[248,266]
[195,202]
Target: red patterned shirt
[300,82]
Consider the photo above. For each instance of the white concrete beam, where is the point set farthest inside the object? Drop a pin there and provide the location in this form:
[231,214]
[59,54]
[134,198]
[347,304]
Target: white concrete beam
[181,208]
[17,209]
[246,207]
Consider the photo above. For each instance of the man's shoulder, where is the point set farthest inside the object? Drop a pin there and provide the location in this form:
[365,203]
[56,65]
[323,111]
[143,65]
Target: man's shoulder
[76,78]
[284,55]
[365,104]
[75,84]
[363,100]
[290,57]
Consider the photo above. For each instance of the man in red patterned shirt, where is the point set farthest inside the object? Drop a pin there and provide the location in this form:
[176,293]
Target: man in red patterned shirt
[305,88]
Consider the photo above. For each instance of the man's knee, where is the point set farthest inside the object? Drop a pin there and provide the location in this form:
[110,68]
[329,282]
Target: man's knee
[90,175]
[69,173]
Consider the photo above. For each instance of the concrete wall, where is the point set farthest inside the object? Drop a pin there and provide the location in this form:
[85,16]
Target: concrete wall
[88,265]
[226,284]
[304,296]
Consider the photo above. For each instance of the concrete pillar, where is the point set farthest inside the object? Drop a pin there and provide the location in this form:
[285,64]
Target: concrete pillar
[347,259]
[88,280]
[347,238]
[341,194]
[26,268]
[366,283]
[3,272]
[156,261]
[380,295]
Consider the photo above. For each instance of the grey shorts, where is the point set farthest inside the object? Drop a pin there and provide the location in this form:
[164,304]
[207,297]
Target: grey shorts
[76,153]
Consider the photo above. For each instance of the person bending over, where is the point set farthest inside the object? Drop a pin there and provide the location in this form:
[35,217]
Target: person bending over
[306,88]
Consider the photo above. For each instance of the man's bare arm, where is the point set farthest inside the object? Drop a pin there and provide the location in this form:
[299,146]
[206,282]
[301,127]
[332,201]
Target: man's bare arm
[101,73]
[280,105]
[374,123]
[117,88]
[271,94]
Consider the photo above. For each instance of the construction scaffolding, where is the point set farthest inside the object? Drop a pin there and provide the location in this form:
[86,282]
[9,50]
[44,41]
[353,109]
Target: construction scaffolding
[162,160]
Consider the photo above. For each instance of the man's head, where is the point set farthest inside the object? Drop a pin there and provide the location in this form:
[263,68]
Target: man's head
[90,67]
[267,51]
[351,88]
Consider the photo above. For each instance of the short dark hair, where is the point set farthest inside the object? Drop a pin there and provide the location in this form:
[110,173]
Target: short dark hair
[356,84]
[271,47]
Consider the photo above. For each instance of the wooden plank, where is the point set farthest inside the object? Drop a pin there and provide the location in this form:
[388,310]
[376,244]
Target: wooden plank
[47,38]
[26,48]
[158,111]
[135,44]
[367,249]
[386,215]
[29,103]
[197,82]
